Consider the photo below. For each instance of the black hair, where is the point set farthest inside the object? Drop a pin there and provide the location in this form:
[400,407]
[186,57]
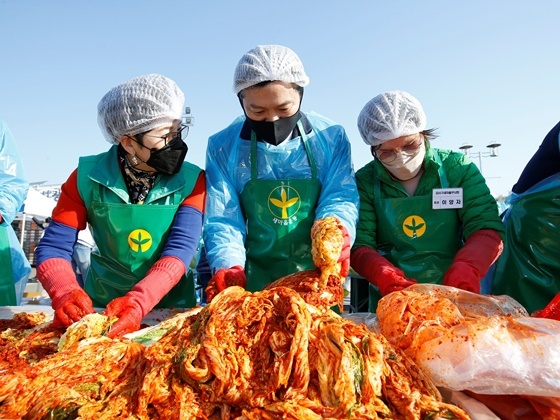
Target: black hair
[266,82]
[430,133]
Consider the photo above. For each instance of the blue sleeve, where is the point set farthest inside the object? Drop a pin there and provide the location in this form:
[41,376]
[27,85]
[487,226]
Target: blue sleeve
[185,235]
[339,195]
[224,223]
[13,184]
[57,242]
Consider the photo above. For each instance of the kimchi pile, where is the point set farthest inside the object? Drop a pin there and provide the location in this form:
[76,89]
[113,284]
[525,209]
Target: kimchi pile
[263,355]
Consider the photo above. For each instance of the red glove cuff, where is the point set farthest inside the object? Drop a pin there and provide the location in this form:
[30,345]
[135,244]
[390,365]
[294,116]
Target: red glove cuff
[379,271]
[159,280]
[57,277]
[368,263]
[462,276]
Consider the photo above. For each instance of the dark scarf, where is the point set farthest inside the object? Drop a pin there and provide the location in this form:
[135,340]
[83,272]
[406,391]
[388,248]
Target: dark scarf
[138,182]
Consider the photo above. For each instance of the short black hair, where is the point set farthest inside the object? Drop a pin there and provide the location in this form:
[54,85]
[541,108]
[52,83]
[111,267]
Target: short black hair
[266,82]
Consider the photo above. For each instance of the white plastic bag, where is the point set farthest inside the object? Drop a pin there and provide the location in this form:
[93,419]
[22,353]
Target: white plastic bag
[485,344]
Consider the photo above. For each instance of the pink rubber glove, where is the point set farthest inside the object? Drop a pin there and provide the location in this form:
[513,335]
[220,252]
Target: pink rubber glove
[344,259]
[379,271]
[226,277]
[132,307]
[473,260]
[69,301]
[551,311]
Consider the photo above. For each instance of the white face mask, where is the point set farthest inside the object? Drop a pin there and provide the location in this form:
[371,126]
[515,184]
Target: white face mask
[406,166]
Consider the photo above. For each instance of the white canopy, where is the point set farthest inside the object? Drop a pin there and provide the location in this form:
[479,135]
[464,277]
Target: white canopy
[37,204]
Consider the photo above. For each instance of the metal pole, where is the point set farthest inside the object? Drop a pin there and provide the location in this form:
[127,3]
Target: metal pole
[480,161]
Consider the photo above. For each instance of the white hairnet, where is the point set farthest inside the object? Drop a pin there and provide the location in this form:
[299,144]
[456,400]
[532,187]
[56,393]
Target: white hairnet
[139,105]
[391,115]
[269,63]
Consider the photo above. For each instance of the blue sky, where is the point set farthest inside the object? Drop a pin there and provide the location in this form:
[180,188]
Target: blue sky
[485,71]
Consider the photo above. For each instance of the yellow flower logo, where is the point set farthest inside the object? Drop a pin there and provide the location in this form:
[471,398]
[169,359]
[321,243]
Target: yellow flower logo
[288,199]
[414,226]
[139,240]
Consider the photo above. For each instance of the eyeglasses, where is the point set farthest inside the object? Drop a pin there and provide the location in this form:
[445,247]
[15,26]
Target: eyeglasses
[182,132]
[388,156]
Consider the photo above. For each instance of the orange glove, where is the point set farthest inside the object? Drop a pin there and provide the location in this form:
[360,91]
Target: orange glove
[69,301]
[379,271]
[551,311]
[344,259]
[473,260]
[132,307]
[226,277]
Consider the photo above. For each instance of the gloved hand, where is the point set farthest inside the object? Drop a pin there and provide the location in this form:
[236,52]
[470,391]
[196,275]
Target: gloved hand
[462,276]
[379,271]
[344,259]
[69,301]
[129,312]
[551,311]
[473,260]
[132,307]
[71,307]
[226,277]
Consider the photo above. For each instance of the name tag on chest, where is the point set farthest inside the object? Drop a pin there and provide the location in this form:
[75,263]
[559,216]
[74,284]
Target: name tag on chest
[447,198]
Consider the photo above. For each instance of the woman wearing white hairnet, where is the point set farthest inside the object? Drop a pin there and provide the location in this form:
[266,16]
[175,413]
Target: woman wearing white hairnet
[271,174]
[144,204]
[426,214]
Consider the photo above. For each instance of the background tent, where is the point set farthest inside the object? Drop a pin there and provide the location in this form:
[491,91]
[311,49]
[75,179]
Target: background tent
[35,205]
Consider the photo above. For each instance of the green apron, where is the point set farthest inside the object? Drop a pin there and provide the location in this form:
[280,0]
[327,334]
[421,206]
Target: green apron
[280,214]
[130,237]
[529,268]
[7,288]
[414,237]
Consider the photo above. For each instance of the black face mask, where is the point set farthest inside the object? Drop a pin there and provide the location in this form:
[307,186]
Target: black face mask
[168,159]
[274,132]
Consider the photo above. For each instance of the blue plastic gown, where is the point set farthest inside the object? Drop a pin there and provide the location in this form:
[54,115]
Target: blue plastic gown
[228,170]
[13,192]
[13,184]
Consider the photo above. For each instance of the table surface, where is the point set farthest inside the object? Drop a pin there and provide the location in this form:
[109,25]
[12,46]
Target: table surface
[153,318]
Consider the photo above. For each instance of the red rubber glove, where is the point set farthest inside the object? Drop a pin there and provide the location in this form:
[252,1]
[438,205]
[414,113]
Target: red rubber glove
[69,301]
[226,277]
[132,307]
[129,312]
[379,271]
[551,311]
[473,260]
[344,259]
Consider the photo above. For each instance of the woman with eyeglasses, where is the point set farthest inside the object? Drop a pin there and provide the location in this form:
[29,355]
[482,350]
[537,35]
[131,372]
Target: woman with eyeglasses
[145,207]
[426,214]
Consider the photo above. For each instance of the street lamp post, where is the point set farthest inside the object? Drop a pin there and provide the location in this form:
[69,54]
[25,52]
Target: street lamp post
[493,152]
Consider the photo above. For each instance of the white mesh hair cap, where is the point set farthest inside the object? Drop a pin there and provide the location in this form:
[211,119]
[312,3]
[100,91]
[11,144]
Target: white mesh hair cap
[139,105]
[269,63]
[390,115]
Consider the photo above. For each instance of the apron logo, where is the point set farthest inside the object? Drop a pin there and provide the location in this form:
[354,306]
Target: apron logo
[414,226]
[284,202]
[139,240]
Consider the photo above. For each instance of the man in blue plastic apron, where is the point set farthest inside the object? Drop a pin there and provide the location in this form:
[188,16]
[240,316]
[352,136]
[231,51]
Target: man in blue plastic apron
[271,174]
[14,266]
[426,214]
